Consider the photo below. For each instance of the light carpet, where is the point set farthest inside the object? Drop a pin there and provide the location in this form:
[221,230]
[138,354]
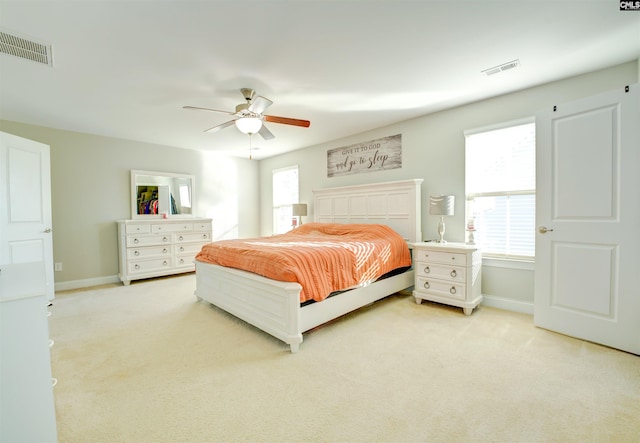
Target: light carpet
[150,363]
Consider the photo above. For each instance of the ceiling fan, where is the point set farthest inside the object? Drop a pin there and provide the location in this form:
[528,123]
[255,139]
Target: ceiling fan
[249,117]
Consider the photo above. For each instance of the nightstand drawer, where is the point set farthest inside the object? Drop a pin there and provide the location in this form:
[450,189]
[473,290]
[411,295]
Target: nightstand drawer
[437,287]
[441,271]
[441,257]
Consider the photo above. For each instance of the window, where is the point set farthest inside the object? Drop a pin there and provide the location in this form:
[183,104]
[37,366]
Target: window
[500,189]
[285,193]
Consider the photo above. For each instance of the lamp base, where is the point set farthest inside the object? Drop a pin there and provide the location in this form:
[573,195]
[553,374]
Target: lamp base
[441,230]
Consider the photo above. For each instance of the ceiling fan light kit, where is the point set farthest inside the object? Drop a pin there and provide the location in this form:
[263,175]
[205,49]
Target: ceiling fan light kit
[249,116]
[249,125]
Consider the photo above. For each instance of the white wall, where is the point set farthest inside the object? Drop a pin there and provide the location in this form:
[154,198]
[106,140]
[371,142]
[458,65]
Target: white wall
[433,149]
[90,186]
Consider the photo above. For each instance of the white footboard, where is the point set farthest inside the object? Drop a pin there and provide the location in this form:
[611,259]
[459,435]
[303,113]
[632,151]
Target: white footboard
[274,306]
[270,305]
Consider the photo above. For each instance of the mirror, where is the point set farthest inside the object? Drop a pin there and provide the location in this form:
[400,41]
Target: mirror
[161,194]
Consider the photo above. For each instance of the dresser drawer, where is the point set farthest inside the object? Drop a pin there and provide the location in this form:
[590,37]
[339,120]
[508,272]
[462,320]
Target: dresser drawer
[202,227]
[185,261]
[194,237]
[138,229]
[172,227]
[148,252]
[441,271]
[188,248]
[140,266]
[148,240]
[441,257]
[450,290]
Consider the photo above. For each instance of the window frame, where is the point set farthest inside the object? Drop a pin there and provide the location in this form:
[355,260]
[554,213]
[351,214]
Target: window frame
[505,258]
[278,209]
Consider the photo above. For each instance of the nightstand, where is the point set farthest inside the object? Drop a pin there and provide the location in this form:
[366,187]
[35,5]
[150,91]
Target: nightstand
[448,273]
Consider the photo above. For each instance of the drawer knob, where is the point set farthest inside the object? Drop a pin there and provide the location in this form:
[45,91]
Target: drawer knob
[137,266]
[136,252]
[181,248]
[165,239]
[205,236]
[426,285]
[164,251]
[182,261]
[181,238]
[453,290]
[136,241]
[453,273]
[164,263]
[453,258]
[427,270]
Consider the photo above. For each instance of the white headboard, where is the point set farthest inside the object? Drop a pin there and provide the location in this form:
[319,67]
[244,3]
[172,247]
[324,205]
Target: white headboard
[396,204]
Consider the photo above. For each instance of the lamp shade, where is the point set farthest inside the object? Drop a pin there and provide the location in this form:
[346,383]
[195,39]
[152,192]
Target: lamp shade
[442,204]
[299,210]
[249,125]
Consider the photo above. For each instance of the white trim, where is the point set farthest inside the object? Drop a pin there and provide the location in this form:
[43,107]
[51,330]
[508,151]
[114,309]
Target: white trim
[507,304]
[76,284]
[508,263]
[286,168]
[494,127]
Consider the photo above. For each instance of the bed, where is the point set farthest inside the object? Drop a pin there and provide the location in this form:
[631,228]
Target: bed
[274,306]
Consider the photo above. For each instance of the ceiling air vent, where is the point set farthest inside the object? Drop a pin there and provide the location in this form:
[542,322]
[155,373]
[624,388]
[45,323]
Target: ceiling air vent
[26,48]
[503,67]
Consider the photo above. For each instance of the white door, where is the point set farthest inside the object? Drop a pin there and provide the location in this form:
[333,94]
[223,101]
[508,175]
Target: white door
[25,209]
[588,202]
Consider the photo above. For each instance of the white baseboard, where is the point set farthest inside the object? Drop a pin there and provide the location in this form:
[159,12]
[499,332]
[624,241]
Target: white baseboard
[507,304]
[76,284]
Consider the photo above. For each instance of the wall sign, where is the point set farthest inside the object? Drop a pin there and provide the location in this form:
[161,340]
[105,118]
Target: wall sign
[375,155]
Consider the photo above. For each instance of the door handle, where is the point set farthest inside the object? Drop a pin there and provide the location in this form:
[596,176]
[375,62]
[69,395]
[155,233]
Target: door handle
[46,231]
[544,229]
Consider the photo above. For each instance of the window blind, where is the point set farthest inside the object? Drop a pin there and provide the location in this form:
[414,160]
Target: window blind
[500,190]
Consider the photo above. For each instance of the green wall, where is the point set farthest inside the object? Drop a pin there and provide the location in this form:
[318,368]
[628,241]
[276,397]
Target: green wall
[90,190]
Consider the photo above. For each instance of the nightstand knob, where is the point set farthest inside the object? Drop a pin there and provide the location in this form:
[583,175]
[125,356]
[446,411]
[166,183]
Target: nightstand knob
[165,239]
[136,253]
[453,273]
[427,270]
[164,263]
[426,285]
[452,290]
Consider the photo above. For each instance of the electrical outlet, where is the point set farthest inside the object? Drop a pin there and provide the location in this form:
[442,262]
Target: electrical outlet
[58,267]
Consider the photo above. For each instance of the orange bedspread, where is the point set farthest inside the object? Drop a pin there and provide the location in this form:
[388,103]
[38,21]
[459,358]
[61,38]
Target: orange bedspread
[322,257]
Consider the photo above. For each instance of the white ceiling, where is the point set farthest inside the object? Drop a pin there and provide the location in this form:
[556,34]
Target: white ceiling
[125,68]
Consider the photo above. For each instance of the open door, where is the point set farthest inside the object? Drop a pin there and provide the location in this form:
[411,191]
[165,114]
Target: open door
[588,218]
[25,211]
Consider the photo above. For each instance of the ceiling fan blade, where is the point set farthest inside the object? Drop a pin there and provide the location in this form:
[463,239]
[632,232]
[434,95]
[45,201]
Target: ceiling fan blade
[221,126]
[206,109]
[259,104]
[265,133]
[287,121]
